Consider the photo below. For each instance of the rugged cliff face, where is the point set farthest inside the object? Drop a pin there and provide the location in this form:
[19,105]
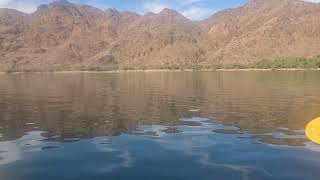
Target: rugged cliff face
[164,40]
[264,29]
[67,36]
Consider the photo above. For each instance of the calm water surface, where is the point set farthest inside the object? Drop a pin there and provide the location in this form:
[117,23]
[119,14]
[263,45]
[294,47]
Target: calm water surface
[159,125]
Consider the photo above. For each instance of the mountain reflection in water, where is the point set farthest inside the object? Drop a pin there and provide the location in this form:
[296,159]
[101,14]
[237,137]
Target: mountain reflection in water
[219,122]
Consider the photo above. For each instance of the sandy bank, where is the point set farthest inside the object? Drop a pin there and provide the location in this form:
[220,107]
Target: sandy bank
[163,70]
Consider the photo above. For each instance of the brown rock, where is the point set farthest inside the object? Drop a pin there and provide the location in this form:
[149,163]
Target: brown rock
[67,36]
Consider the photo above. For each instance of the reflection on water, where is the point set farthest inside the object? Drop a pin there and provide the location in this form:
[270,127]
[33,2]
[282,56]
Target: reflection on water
[161,125]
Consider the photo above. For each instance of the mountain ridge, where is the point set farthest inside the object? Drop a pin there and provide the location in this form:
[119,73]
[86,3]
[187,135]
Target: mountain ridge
[67,36]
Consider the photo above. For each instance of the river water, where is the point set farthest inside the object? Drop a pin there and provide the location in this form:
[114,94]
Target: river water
[158,125]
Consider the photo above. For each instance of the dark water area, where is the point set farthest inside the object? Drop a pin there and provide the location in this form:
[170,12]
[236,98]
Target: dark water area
[159,125]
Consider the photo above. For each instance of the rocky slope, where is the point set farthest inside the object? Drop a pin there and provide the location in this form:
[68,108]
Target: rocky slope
[265,29]
[67,36]
[163,40]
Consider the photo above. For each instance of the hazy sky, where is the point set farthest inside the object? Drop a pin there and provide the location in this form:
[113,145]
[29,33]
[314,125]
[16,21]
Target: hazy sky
[193,9]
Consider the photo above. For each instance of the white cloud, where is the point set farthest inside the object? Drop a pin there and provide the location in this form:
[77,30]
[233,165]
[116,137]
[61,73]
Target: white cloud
[188,8]
[198,13]
[154,7]
[26,6]
[4,3]
[313,1]
[190,1]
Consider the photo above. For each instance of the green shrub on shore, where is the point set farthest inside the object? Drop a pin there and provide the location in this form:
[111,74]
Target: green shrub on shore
[278,63]
[235,66]
[288,63]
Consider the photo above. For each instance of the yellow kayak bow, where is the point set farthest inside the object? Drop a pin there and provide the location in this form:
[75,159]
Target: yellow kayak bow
[313,130]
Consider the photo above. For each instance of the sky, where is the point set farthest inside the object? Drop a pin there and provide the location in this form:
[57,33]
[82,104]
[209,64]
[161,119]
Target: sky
[192,9]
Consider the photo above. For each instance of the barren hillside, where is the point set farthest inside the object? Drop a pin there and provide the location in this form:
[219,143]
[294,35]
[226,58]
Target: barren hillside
[67,36]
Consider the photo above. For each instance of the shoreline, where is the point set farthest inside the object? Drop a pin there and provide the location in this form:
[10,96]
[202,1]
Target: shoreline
[160,70]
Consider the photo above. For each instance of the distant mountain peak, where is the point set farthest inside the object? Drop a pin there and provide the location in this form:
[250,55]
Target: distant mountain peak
[167,11]
[56,3]
[172,14]
[10,12]
[60,2]
[59,6]
[112,11]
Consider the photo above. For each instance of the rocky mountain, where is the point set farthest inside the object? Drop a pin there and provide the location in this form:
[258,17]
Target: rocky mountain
[264,29]
[164,40]
[67,36]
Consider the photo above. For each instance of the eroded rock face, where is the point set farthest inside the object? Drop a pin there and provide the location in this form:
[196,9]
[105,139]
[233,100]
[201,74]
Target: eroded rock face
[264,29]
[67,36]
